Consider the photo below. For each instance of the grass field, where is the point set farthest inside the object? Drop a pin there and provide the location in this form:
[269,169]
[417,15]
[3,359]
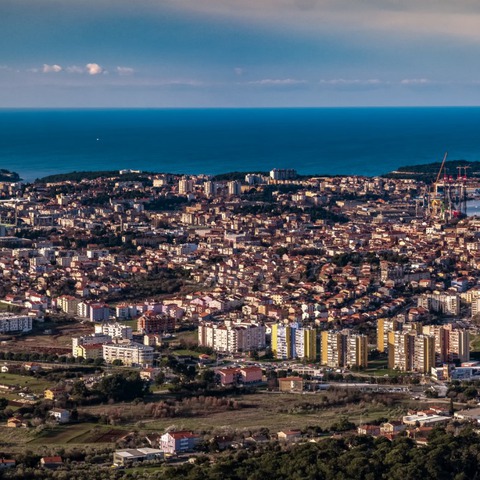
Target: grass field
[35,385]
[275,411]
[272,411]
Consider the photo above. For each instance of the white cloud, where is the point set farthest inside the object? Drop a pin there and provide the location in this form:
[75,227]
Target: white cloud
[51,68]
[415,81]
[277,81]
[239,71]
[123,71]
[355,81]
[94,69]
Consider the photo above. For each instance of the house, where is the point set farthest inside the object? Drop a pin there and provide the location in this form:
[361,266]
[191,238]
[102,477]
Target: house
[178,442]
[51,462]
[391,428]
[134,455]
[251,375]
[16,422]
[228,376]
[54,393]
[32,367]
[289,435]
[61,415]
[373,430]
[290,384]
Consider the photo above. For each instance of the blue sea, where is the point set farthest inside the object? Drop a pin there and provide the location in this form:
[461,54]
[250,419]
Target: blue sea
[362,141]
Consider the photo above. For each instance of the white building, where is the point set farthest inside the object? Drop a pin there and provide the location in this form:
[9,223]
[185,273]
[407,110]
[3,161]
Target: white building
[232,338]
[9,322]
[131,354]
[114,330]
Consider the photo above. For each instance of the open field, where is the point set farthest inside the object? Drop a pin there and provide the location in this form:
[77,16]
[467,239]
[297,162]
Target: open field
[190,337]
[78,434]
[35,385]
[59,341]
[275,411]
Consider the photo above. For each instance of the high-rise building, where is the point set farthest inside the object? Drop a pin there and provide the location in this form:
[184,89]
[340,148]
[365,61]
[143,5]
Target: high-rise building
[185,186]
[424,353]
[333,349]
[209,188]
[451,344]
[411,351]
[306,343]
[385,325]
[234,187]
[343,349]
[283,341]
[357,351]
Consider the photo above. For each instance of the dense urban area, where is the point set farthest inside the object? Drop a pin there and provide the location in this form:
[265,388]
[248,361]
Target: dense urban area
[239,325]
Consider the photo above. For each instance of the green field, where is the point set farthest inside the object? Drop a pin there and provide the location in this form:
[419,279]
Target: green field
[35,385]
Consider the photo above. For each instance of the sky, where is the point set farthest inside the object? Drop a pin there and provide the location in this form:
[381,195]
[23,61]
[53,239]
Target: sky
[239,53]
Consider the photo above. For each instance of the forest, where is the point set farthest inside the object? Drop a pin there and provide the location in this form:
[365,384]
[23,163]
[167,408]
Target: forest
[446,457]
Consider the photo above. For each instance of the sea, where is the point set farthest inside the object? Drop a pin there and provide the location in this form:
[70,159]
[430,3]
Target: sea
[360,141]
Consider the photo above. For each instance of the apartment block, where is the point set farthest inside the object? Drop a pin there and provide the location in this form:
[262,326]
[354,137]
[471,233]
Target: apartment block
[231,337]
[411,351]
[131,354]
[114,330]
[9,322]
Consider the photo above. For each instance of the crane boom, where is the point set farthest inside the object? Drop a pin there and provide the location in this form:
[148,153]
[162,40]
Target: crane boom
[441,168]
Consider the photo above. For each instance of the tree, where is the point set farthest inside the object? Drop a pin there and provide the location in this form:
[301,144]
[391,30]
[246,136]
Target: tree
[122,387]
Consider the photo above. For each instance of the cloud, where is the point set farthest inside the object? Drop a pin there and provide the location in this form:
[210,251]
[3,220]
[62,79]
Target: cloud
[415,81]
[74,69]
[277,82]
[123,71]
[51,68]
[94,69]
[239,71]
[356,81]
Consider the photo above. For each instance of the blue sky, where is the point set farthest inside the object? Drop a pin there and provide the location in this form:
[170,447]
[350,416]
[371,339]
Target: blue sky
[238,53]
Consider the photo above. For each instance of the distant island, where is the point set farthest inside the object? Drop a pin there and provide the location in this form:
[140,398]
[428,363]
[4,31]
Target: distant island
[428,172]
[8,176]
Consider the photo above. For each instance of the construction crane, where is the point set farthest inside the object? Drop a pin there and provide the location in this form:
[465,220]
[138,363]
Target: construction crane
[440,172]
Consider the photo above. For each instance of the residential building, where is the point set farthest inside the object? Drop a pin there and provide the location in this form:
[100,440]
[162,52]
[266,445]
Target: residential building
[357,351]
[232,337]
[291,384]
[283,341]
[178,442]
[131,354]
[10,322]
[306,343]
[385,325]
[152,322]
[114,330]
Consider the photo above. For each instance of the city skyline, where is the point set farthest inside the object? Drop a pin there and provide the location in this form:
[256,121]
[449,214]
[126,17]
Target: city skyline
[218,53]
